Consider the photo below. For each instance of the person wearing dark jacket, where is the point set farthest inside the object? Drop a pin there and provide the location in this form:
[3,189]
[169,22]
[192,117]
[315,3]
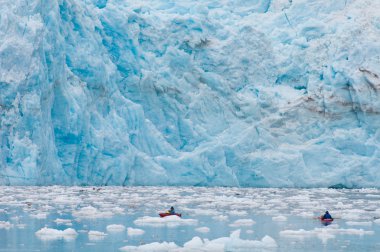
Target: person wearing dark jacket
[326,216]
[171,211]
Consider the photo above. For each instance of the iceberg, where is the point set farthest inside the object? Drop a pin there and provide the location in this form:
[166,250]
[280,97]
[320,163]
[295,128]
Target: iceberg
[208,93]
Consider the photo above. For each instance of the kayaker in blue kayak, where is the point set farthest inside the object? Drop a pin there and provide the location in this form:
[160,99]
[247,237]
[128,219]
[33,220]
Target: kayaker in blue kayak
[326,216]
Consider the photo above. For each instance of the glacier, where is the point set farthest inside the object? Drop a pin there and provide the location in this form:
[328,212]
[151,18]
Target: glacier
[262,93]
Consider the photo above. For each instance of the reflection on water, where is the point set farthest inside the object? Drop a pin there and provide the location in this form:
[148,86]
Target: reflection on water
[108,218]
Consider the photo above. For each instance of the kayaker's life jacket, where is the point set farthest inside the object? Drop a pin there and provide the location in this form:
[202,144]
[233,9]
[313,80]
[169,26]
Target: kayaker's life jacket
[326,216]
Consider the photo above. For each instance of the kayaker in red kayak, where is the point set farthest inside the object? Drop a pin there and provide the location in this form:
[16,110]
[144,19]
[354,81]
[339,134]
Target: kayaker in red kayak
[169,213]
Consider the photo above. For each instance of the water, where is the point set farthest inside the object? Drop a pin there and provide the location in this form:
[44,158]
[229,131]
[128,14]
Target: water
[278,213]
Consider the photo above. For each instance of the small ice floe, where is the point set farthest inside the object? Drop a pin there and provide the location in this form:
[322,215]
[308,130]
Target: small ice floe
[242,222]
[232,243]
[20,226]
[304,214]
[220,218]
[279,218]
[54,234]
[202,229]
[65,222]
[249,231]
[96,235]
[115,228]
[200,211]
[377,221]
[135,231]
[169,221]
[354,214]
[66,200]
[117,210]
[155,246]
[359,223]
[39,215]
[324,233]
[90,212]
[340,205]
[238,213]
[5,225]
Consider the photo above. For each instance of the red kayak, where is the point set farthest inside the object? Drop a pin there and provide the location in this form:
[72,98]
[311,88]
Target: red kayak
[168,214]
[326,221]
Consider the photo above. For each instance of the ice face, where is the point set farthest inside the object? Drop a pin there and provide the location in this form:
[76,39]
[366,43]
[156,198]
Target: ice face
[232,93]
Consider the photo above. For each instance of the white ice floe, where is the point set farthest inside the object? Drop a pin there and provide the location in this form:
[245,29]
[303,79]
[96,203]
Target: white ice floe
[232,243]
[135,231]
[54,234]
[20,226]
[279,218]
[90,212]
[170,221]
[66,222]
[220,218]
[377,221]
[96,235]
[5,225]
[39,215]
[324,233]
[200,211]
[155,246]
[115,228]
[242,222]
[203,229]
[237,213]
[359,223]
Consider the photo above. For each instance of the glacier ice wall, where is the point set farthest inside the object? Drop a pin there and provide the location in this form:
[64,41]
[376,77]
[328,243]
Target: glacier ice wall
[231,93]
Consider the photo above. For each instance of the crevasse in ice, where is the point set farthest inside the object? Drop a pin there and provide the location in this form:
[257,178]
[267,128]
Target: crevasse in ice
[232,93]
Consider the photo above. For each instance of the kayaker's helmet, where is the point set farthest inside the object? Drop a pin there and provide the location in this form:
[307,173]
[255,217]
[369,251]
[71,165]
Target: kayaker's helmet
[327,212]
[171,208]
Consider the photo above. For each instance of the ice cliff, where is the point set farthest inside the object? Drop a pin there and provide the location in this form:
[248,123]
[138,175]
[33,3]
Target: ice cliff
[160,92]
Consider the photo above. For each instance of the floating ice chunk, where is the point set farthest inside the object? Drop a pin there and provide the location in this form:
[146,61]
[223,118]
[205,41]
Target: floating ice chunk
[249,231]
[194,243]
[238,213]
[135,231]
[170,221]
[377,221]
[220,217]
[155,246]
[66,222]
[96,235]
[54,234]
[21,226]
[324,233]
[203,229]
[359,223]
[39,215]
[115,228]
[90,212]
[210,212]
[242,222]
[238,244]
[232,243]
[354,214]
[279,218]
[305,214]
[5,225]
[66,200]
